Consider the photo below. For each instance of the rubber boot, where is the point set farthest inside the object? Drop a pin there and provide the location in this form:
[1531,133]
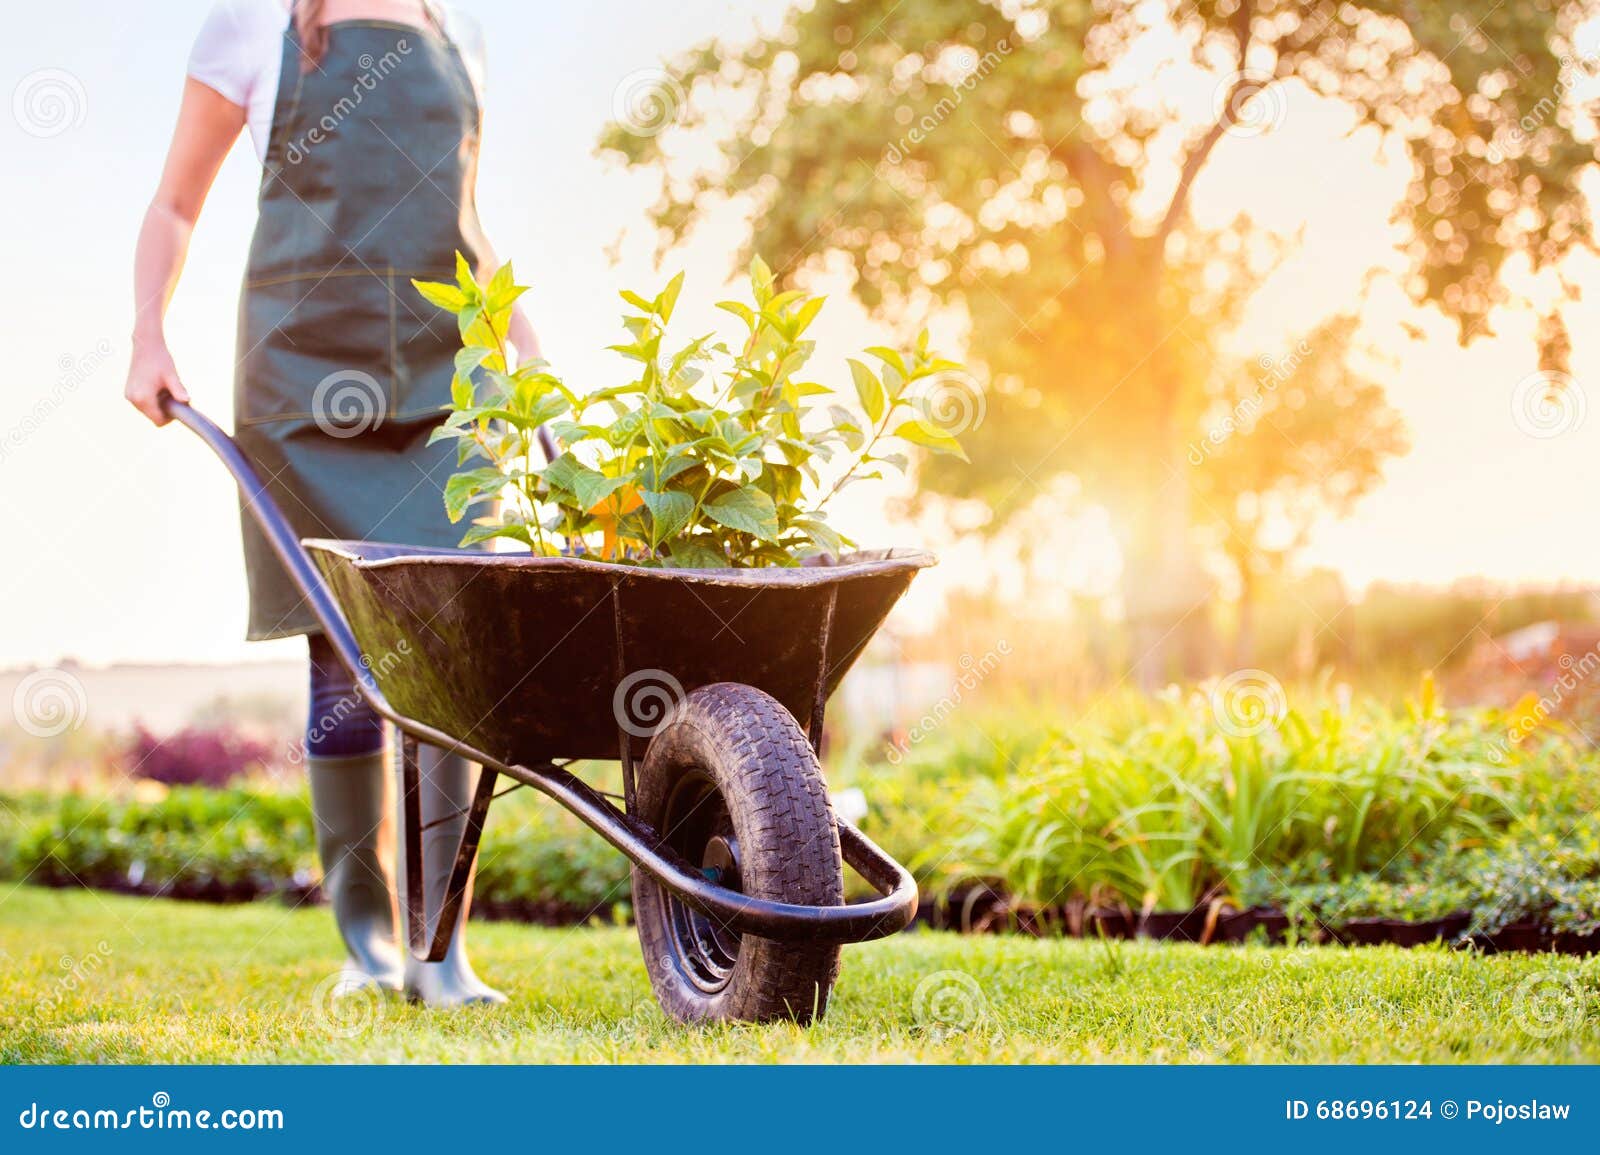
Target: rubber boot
[447,782]
[354,812]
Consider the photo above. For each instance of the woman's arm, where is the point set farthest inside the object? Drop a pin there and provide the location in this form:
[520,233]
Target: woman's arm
[208,124]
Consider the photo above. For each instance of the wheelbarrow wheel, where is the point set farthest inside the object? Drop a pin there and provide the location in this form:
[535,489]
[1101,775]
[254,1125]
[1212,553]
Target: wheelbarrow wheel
[732,785]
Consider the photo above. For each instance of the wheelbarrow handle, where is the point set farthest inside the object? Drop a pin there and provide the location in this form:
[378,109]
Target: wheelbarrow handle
[307,578]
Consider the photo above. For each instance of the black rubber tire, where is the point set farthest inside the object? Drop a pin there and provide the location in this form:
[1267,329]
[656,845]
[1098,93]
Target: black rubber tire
[757,757]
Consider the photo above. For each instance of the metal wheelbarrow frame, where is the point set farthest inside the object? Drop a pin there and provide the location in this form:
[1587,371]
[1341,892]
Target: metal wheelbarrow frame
[352,588]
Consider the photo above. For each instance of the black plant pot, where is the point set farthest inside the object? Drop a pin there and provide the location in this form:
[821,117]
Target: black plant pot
[1578,943]
[1173,925]
[1236,925]
[1523,936]
[1363,931]
[1273,924]
[1108,922]
[1239,925]
[971,910]
[1408,934]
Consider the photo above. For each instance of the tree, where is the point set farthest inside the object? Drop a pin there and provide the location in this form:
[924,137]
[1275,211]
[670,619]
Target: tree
[1288,439]
[1022,163]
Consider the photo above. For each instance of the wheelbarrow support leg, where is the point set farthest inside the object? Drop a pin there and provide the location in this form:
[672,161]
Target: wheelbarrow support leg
[460,872]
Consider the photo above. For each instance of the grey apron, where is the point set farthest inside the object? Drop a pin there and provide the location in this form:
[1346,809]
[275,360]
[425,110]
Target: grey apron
[342,368]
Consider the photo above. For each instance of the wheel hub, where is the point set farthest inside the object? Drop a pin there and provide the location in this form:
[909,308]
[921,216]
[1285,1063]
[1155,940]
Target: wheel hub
[699,827]
[720,862]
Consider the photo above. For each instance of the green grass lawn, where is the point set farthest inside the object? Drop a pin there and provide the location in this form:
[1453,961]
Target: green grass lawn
[89,977]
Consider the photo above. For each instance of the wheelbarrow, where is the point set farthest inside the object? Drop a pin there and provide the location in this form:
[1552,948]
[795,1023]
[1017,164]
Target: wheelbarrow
[708,686]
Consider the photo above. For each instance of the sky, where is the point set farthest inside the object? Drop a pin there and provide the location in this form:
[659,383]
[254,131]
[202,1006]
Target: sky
[121,541]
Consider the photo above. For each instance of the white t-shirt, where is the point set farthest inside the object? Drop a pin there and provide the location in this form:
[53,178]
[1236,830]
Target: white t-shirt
[239,54]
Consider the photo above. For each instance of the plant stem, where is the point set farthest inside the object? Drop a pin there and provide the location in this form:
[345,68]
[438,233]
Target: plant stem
[866,452]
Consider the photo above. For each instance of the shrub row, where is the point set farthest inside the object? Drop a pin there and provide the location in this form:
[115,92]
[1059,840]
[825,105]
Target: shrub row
[245,843]
[1140,809]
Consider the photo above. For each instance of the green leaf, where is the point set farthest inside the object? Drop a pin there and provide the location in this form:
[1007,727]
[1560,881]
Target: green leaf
[874,400]
[696,554]
[637,301]
[930,437]
[889,357]
[760,280]
[447,297]
[592,488]
[828,539]
[670,512]
[466,489]
[563,472]
[465,280]
[744,312]
[669,298]
[807,314]
[746,509]
[503,289]
[482,532]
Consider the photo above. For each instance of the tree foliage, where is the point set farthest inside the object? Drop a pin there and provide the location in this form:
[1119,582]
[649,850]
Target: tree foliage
[1027,162]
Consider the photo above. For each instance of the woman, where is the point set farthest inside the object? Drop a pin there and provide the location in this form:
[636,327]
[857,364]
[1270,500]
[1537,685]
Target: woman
[366,116]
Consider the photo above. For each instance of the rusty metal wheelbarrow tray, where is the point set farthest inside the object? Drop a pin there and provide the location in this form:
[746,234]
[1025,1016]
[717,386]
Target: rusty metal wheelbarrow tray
[522,657]
[518,662]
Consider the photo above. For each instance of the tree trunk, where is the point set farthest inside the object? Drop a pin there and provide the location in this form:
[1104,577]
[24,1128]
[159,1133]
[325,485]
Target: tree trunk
[1165,592]
[1244,636]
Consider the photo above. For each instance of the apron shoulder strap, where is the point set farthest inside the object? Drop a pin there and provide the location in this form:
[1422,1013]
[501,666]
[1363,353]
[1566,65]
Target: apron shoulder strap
[436,18]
